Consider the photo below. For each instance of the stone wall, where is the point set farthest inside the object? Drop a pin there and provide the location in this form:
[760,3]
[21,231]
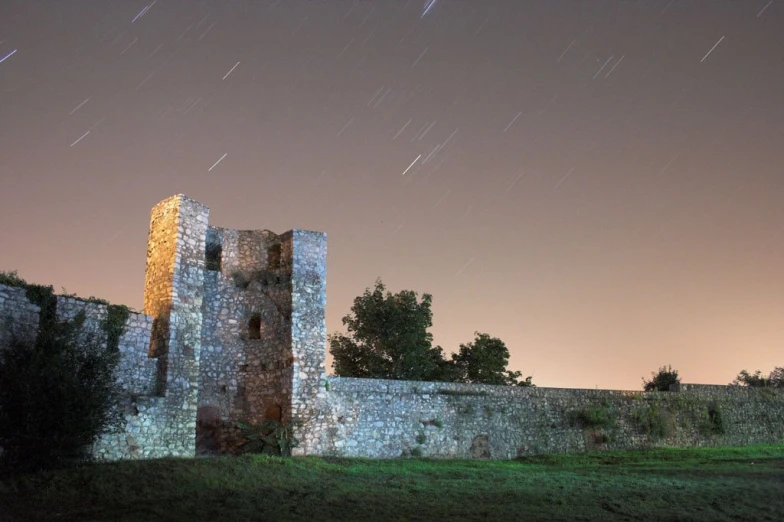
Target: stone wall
[246,355]
[234,329]
[308,325]
[136,372]
[174,291]
[263,331]
[387,419]
[18,314]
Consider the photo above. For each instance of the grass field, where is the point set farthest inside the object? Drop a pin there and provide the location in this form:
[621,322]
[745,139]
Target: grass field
[663,484]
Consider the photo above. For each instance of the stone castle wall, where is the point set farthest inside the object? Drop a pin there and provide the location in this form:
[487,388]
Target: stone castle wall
[146,418]
[17,312]
[387,419]
[173,296]
[136,371]
[234,329]
[230,318]
[308,330]
[246,355]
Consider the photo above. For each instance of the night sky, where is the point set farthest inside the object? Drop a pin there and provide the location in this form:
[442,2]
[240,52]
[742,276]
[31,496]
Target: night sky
[597,183]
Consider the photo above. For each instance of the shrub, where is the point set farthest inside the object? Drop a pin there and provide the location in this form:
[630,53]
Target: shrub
[662,380]
[268,437]
[594,417]
[12,279]
[713,423]
[420,438]
[58,394]
[756,380]
[654,420]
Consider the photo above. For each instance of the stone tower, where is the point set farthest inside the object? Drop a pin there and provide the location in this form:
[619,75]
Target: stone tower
[173,296]
[239,320]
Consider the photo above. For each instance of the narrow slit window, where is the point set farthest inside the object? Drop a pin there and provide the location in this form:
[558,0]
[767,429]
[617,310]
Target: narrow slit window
[273,257]
[254,327]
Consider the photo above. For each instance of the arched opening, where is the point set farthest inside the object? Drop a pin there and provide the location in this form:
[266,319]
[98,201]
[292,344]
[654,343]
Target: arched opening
[274,412]
[254,327]
[208,431]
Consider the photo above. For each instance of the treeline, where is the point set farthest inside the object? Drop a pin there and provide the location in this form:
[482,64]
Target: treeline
[387,338]
[666,376]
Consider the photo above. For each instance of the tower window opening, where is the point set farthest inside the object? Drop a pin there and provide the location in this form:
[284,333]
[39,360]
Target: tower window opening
[273,257]
[254,327]
[212,256]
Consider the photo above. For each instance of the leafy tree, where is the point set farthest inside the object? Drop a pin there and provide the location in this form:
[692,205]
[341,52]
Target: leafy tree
[388,338]
[484,361]
[57,394]
[662,380]
[777,377]
[756,380]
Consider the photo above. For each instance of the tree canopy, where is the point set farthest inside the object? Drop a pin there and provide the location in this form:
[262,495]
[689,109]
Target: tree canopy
[387,338]
[661,380]
[775,379]
[484,361]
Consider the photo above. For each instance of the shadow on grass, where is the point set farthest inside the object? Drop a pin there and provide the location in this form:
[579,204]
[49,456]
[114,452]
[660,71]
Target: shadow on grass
[705,484]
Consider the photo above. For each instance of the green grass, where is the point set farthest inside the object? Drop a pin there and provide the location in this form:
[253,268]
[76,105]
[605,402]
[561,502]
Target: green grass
[660,484]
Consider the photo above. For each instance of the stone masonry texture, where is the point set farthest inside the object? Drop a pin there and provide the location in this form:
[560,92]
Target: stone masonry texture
[233,329]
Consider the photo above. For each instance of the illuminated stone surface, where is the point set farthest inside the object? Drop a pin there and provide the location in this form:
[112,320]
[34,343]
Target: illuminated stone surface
[234,329]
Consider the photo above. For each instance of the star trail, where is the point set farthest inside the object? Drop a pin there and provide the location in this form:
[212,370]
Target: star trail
[598,184]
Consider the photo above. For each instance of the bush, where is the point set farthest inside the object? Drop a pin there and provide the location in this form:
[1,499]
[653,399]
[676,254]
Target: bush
[12,279]
[268,437]
[654,421]
[662,380]
[713,423]
[594,417]
[58,394]
[756,380]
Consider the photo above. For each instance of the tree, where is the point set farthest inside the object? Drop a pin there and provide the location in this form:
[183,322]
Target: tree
[57,394]
[662,380]
[484,361]
[388,338]
[756,380]
[777,377]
